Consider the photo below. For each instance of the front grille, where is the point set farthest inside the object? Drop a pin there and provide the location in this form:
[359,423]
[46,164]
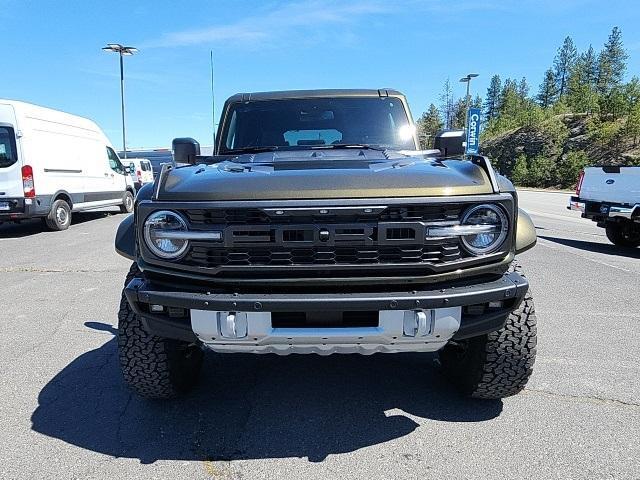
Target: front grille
[256,216]
[207,256]
[317,241]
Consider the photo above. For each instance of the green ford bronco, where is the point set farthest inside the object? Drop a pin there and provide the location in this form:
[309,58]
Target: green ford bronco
[318,226]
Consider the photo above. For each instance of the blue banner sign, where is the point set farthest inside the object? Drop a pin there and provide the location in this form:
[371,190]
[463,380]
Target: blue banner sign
[473,131]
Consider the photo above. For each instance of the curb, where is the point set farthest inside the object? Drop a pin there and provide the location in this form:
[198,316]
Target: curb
[545,190]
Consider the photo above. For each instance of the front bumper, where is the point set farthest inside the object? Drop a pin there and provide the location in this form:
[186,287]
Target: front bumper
[199,316]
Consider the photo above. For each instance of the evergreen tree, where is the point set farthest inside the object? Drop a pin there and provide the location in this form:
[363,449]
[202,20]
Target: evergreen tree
[476,102]
[509,98]
[562,65]
[520,172]
[612,63]
[581,95]
[523,89]
[547,94]
[492,100]
[632,127]
[459,113]
[632,93]
[589,64]
[613,105]
[447,104]
[428,125]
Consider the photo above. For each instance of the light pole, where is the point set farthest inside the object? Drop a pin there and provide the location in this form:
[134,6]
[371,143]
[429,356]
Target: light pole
[467,80]
[122,51]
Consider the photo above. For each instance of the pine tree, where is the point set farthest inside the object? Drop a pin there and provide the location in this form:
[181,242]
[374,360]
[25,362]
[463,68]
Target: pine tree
[447,104]
[523,89]
[590,66]
[492,101]
[612,63]
[459,113]
[632,94]
[581,95]
[476,102]
[632,126]
[520,172]
[428,125]
[547,94]
[562,64]
[509,98]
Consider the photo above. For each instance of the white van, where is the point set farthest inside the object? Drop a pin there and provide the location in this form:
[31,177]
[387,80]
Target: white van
[141,171]
[53,163]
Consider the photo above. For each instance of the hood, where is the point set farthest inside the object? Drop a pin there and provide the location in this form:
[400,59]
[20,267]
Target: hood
[324,174]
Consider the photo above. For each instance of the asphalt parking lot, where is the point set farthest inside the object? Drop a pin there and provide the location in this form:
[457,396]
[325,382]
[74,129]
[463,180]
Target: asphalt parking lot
[64,412]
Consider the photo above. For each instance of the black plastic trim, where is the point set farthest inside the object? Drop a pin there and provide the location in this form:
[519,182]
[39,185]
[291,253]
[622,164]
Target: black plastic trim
[511,287]
[125,243]
[507,287]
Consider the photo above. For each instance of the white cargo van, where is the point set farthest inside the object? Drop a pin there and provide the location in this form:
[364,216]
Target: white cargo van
[53,163]
[141,171]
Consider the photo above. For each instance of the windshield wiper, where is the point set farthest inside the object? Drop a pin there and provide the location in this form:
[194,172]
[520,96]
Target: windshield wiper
[251,150]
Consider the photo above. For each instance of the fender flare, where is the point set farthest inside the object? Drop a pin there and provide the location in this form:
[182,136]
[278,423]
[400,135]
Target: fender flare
[526,237]
[126,238]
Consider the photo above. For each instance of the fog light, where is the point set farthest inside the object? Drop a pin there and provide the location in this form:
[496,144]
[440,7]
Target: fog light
[156,308]
[497,304]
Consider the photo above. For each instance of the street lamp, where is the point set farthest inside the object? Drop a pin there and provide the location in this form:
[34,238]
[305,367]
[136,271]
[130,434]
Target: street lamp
[467,80]
[122,51]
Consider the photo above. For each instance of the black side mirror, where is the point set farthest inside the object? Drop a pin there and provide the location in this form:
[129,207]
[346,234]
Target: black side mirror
[132,168]
[450,142]
[185,150]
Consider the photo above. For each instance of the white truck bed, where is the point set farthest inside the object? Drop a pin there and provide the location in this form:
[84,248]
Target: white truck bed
[611,185]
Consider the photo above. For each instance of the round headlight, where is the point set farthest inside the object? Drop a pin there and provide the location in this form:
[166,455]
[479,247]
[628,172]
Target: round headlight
[162,234]
[492,226]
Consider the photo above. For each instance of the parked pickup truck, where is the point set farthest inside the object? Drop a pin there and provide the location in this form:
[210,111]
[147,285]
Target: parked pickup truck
[610,196]
[318,227]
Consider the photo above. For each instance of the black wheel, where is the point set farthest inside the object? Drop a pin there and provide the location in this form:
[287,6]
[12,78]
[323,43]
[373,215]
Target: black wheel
[152,366]
[498,364]
[59,217]
[127,203]
[623,234]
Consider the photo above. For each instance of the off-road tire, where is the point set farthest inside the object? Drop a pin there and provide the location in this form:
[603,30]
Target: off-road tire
[622,234]
[59,217]
[127,203]
[152,366]
[497,364]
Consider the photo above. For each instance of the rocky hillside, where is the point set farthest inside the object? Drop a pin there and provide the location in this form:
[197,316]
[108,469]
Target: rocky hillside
[551,153]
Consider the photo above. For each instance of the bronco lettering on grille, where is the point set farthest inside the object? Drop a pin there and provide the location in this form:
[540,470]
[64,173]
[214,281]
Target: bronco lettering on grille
[383,233]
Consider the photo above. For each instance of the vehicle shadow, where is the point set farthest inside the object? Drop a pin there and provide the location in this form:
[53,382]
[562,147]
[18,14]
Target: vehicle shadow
[606,248]
[26,228]
[251,407]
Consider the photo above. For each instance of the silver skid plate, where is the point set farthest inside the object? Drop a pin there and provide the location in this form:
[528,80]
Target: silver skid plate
[397,331]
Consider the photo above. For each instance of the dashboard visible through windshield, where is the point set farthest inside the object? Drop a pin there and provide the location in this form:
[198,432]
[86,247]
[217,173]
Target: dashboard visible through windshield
[292,124]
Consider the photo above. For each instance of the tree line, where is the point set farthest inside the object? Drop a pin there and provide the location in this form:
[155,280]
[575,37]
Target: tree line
[582,91]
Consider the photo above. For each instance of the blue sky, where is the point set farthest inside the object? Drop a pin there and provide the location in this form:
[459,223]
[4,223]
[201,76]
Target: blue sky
[51,51]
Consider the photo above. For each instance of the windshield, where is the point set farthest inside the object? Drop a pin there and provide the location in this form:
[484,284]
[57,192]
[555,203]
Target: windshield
[8,155]
[317,122]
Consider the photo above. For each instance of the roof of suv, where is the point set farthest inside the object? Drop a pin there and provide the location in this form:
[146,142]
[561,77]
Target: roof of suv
[279,95]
